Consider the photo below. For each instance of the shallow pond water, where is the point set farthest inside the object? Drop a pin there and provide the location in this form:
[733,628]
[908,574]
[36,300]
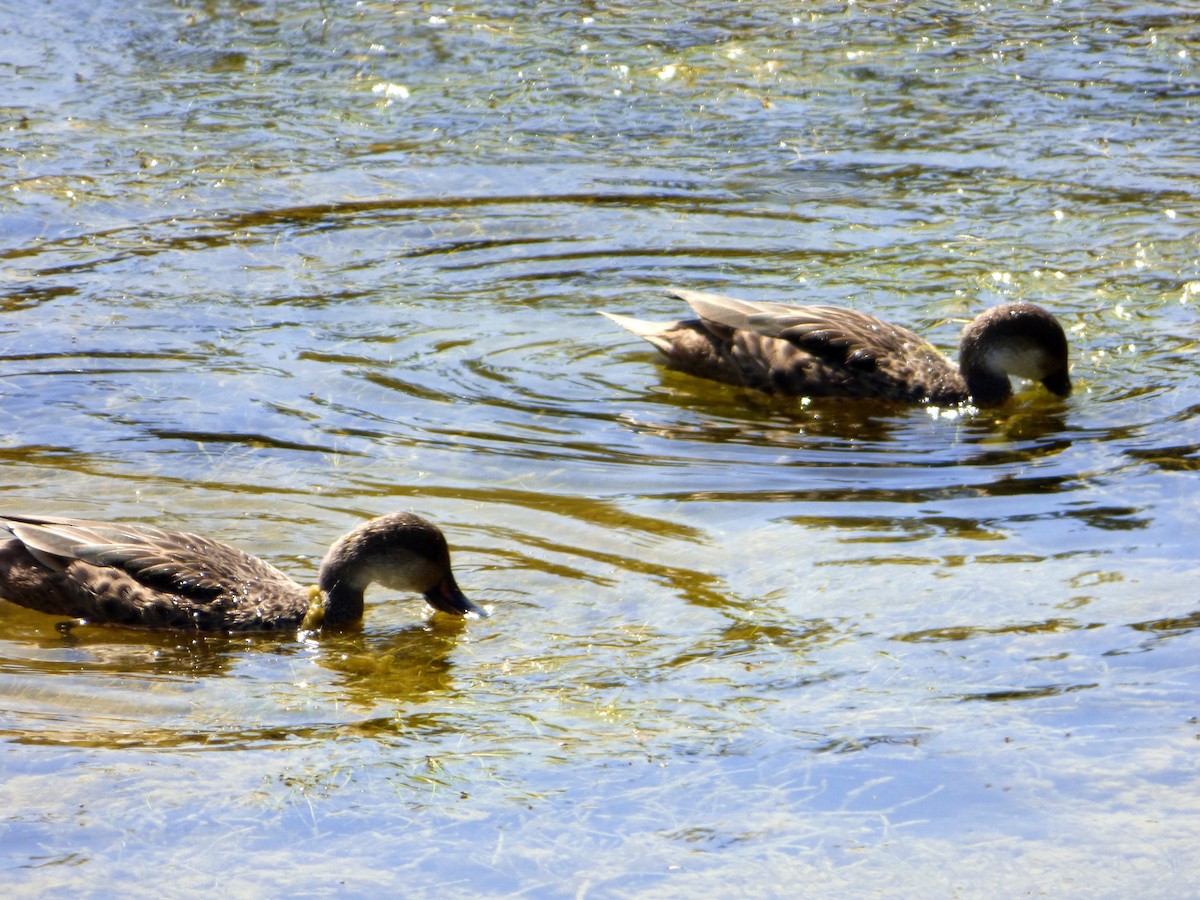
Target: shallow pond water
[268,269]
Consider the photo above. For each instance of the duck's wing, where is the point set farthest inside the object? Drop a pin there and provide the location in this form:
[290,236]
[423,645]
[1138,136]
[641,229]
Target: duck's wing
[171,561]
[833,334]
[654,332]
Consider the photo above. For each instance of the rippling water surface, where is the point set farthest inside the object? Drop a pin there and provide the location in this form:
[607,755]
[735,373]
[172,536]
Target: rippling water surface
[272,268]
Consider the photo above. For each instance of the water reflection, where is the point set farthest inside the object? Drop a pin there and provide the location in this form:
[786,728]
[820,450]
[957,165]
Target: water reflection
[1029,693]
[101,687]
[1180,458]
[402,667]
[1167,628]
[66,646]
[746,639]
[963,633]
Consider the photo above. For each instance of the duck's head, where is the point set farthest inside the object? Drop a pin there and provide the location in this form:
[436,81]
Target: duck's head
[1013,339]
[400,551]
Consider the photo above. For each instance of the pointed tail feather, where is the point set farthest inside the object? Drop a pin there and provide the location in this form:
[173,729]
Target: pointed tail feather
[650,331]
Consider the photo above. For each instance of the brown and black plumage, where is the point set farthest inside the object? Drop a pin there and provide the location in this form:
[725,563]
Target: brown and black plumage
[828,351]
[145,577]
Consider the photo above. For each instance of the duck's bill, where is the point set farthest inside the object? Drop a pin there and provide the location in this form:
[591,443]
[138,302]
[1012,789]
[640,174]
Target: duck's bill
[1059,383]
[446,597]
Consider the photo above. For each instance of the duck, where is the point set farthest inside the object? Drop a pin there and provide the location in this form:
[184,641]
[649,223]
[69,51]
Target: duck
[145,577]
[830,351]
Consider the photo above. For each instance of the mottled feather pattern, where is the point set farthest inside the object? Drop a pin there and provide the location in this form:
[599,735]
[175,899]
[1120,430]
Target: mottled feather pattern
[147,577]
[827,351]
[165,560]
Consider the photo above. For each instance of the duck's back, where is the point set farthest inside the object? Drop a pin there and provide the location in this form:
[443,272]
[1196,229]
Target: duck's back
[815,351]
[142,577]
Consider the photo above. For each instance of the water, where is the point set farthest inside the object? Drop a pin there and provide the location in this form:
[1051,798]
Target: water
[269,269]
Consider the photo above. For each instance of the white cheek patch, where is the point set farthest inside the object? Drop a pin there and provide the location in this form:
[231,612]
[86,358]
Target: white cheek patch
[1022,360]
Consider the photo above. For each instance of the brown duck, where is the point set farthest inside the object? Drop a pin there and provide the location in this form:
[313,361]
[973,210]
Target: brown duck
[145,577]
[827,351]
